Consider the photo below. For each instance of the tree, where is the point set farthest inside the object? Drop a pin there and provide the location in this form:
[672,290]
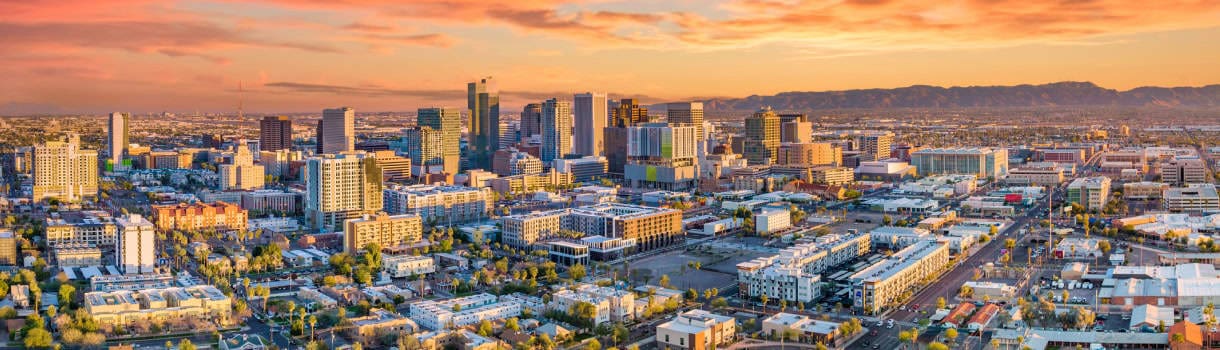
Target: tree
[485,328]
[951,334]
[886,219]
[664,281]
[763,298]
[593,344]
[720,303]
[940,303]
[185,344]
[512,324]
[577,272]
[38,338]
[1009,243]
[937,346]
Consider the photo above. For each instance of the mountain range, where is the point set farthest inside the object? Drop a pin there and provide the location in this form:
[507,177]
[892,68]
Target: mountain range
[923,96]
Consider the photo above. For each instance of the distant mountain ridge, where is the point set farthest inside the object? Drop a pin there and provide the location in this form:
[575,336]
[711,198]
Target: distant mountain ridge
[924,96]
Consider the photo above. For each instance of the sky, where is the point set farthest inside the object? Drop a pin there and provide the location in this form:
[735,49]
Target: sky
[87,56]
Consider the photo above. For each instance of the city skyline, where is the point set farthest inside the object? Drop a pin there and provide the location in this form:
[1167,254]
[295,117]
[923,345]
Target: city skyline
[301,56]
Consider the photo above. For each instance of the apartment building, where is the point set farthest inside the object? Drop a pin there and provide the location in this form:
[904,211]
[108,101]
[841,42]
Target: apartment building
[384,229]
[1144,190]
[458,312]
[217,216]
[810,153]
[794,273]
[379,321]
[441,204]
[126,307]
[9,252]
[526,183]
[831,175]
[340,187]
[1194,199]
[63,171]
[875,146]
[523,230]
[286,202]
[696,330]
[77,255]
[135,251]
[1091,192]
[770,220]
[879,286]
[241,173]
[93,227]
[402,266]
[649,227]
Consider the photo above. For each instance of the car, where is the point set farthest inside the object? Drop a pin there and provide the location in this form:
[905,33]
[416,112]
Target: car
[878,346]
[878,323]
[891,325]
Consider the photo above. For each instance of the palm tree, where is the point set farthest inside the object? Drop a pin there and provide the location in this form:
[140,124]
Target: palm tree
[763,298]
[313,322]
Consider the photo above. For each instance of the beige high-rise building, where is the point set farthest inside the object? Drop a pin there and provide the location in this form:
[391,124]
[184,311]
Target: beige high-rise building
[393,167]
[120,124]
[384,229]
[796,132]
[1183,171]
[135,252]
[8,248]
[762,137]
[876,146]
[338,130]
[556,130]
[340,187]
[64,171]
[814,153]
[243,174]
[591,115]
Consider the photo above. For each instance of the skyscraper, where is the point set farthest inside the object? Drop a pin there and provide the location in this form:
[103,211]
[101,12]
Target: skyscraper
[762,137]
[483,101]
[340,187]
[424,146]
[661,156]
[337,133]
[135,251]
[120,124]
[556,130]
[796,131]
[591,116]
[320,133]
[64,171]
[690,114]
[627,113]
[448,122]
[275,133]
[531,120]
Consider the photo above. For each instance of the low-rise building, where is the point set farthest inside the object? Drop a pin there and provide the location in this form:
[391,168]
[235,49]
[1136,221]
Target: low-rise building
[1091,192]
[401,266]
[772,220]
[1042,174]
[93,227]
[1144,190]
[523,230]
[218,216]
[795,273]
[458,312]
[381,322]
[77,255]
[125,307]
[808,330]
[612,305]
[697,330]
[385,230]
[442,204]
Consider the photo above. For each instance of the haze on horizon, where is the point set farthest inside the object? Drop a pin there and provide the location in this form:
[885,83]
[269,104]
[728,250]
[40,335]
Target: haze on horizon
[76,56]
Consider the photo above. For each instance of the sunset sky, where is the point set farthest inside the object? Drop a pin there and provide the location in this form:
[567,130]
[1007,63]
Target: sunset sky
[73,56]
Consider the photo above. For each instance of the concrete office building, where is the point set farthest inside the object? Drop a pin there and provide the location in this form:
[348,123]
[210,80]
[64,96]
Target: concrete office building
[337,130]
[393,167]
[135,252]
[795,132]
[483,106]
[661,156]
[63,171]
[981,162]
[1182,171]
[556,130]
[523,230]
[9,253]
[1046,174]
[442,204]
[388,231]
[340,187]
[689,114]
[275,133]
[649,227]
[448,122]
[762,137]
[1091,192]
[879,286]
[118,129]
[627,113]
[769,221]
[876,146]
[591,116]
[127,307]
[583,169]
[812,153]
[1195,199]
